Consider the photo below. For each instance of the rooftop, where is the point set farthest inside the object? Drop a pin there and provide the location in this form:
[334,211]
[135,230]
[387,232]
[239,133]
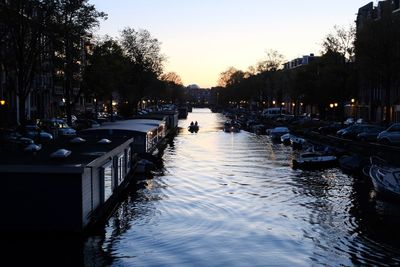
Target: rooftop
[81,155]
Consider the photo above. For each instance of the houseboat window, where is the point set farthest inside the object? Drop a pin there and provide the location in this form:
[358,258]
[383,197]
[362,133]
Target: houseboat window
[108,181]
[128,159]
[121,168]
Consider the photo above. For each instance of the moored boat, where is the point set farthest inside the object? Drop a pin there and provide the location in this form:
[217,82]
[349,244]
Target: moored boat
[314,160]
[285,139]
[385,177]
[297,142]
[277,132]
[231,127]
[353,164]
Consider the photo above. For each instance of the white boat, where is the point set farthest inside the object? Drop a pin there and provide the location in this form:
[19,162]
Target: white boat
[385,178]
[277,132]
[285,139]
[314,160]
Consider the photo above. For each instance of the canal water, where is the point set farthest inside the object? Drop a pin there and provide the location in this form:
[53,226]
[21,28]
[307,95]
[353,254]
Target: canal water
[222,199]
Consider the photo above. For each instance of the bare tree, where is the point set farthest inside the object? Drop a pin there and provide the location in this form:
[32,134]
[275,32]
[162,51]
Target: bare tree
[172,77]
[75,20]
[272,62]
[225,77]
[24,36]
[341,41]
[143,50]
[144,53]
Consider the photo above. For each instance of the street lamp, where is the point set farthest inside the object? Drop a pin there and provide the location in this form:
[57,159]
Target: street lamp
[2,102]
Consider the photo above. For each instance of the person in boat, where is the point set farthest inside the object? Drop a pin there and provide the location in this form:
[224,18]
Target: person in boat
[191,124]
[195,124]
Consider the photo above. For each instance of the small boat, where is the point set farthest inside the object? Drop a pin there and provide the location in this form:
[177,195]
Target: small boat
[145,166]
[297,142]
[285,139]
[314,160]
[277,132]
[290,139]
[193,128]
[259,129]
[385,177]
[353,164]
[231,127]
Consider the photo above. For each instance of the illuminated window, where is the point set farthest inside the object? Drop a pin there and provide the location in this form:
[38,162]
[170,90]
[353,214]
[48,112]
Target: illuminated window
[121,168]
[128,159]
[108,185]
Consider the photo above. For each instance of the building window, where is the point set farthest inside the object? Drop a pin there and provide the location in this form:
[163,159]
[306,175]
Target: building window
[108,184]
[128,158]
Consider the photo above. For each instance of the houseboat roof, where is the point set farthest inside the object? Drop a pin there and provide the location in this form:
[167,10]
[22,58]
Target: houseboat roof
[138,125]
[81,154]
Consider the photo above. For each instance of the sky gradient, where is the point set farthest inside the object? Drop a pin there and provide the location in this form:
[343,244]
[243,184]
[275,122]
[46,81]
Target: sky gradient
[202,38]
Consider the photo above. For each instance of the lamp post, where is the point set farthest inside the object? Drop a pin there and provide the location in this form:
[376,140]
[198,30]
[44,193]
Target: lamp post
[353,107]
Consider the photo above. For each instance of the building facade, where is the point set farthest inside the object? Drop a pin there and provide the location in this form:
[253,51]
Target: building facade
[377,58]
[298,62]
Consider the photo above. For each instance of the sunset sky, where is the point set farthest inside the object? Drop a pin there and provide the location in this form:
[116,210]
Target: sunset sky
[202,38]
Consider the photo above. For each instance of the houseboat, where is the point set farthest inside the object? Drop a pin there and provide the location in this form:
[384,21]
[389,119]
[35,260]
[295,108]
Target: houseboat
[67,186]
[147,134]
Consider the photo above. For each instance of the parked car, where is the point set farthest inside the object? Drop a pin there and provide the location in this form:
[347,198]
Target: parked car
[330,129]
[362,121]
[352,131]
[73,118]
[390,136]
[370,134]
[57,126]
[349,121]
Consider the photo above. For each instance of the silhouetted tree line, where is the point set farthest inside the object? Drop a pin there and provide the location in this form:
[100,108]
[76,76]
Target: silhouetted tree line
[42,37]
[130,68]
[330,78]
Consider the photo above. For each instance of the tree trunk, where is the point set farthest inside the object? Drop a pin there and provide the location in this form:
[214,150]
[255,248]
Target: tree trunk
[387,100]
[21,109]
